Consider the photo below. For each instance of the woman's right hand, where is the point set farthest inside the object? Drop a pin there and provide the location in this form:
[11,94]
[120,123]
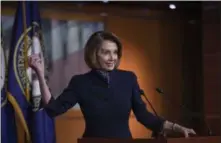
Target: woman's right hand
[36,63]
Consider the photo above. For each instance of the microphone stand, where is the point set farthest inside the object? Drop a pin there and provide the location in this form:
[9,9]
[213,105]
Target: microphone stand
[209,131]
[154,134]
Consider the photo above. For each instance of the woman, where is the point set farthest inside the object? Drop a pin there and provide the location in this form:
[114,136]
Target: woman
[106,94]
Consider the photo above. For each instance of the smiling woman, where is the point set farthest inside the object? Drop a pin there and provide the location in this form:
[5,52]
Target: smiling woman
[105,94]
[103,51]
[152,49]
[107,55]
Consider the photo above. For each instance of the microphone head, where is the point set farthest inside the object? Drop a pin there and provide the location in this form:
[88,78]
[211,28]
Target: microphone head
[159,90]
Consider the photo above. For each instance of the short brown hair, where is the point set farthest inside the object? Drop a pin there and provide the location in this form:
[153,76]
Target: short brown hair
[94,43]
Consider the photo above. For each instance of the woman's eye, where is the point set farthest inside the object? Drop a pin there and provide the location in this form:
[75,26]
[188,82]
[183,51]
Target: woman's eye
[105,52]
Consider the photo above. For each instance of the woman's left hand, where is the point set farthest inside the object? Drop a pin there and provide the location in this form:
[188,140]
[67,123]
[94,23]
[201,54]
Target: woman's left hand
[185,131]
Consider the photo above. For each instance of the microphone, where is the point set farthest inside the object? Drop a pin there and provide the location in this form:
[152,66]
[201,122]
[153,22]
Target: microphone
[210,133]
[151,106]
[154,134]
[159,90]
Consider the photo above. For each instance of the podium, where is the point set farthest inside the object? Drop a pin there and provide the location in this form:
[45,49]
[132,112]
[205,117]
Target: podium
[211,139]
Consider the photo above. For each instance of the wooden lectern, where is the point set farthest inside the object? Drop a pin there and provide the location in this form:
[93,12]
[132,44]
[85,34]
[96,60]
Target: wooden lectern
[211,139]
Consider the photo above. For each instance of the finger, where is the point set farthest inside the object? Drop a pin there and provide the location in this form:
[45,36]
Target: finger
[39,55]
[33,59]
[192,131]
[34,55]
[186,134]
[38,61]
[29,58]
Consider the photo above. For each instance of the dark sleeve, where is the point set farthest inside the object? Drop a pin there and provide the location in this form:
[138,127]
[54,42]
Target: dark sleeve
[142,114]
[67,99]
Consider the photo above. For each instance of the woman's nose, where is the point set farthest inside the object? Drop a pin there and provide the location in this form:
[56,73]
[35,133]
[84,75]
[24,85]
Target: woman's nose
[111,56]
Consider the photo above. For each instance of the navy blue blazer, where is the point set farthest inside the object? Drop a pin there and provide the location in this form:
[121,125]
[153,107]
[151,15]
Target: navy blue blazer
[106,109]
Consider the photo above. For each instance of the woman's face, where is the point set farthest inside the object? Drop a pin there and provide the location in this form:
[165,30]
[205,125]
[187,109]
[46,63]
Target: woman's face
[107,55]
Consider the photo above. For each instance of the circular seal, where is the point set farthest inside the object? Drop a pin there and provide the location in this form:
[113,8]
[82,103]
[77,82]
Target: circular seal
[3,76]
[22,70]
[23,49]
[3,67]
